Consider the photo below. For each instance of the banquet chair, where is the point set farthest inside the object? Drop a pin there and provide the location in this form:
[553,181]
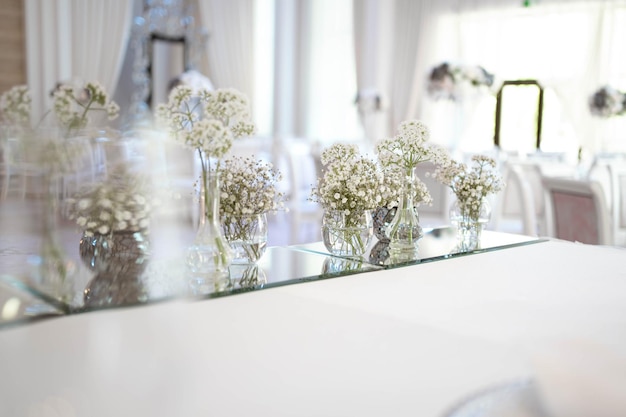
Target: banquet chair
[303,167]
[518,202]
[437,214]
[617,171]
[19,175]
[576,211]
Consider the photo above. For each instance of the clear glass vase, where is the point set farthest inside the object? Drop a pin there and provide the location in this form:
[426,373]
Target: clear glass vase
[346,234]
[469,220]
[54,271]
[119,260]
[247,235]
[404,231]
[210,254]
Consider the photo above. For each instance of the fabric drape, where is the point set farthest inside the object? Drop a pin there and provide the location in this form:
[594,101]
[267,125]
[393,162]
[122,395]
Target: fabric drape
[230,45]
[74,40]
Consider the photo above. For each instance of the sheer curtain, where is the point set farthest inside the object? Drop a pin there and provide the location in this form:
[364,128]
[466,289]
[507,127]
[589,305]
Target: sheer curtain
[74,39]
[230,44]
[571,47]
[373,47]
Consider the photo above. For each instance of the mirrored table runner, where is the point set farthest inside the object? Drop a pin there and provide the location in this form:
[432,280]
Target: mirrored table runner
[165,277]
[436,244]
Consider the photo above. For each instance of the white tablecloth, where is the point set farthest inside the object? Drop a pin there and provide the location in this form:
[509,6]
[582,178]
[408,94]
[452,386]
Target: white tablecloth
[410,341]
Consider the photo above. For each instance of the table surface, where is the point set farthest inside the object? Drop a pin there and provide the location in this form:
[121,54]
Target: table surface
[410,341]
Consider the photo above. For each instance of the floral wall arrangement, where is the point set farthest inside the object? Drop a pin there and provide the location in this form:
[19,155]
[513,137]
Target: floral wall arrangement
[607,102]
[444,80]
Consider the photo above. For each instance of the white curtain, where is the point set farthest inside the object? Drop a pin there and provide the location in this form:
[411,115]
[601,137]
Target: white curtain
[571,47]
[74,39]
[373,47]
[230,45]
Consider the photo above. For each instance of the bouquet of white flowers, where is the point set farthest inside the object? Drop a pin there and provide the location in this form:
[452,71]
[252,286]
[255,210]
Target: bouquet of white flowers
[351,183]
[120,203]
[399,155]
[248,191]
[73,104]
[352,186]
[249,187]
[15,106]
[471,184]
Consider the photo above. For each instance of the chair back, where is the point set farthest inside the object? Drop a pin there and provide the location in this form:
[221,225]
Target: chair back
[576,211]
[617,172]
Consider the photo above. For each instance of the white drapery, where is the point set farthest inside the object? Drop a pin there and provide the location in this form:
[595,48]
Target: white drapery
[373,46]
[571,47]
[230,44]
[74,39]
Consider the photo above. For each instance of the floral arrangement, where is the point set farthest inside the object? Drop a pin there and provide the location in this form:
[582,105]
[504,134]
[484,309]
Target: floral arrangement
[444,78]
[607,102]
[206,120]
[120,203]
[471,184]
[249,187]
[351,182]
[72,104]
[399,155]
[15,106]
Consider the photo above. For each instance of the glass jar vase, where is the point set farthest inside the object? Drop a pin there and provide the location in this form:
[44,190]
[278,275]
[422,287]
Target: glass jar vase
[404,231]
[346,234]
[247,236]
[119,260]
[469,218]
[210,254]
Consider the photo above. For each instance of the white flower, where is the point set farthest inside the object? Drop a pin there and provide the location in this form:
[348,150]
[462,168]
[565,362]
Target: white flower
[206,120]
[471,184]
[15,105]
[121,202]
[351,183]
[72,104]
[249,187]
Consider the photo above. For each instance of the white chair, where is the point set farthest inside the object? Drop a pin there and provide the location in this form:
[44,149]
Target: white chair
[303,169]
[617,173]
[437,214]
[576,211]
[19,175]
[518,203]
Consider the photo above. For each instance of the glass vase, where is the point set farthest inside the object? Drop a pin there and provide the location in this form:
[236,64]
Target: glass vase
[469,219]
[54,270]
[210,254]
[247,236]
[346,234]
[119,260]
[404,231]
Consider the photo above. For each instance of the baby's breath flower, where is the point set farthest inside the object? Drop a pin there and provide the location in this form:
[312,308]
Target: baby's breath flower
[120,203]
[351,183]
[249,186]
[72,105]
[471,184]
[15,106]
[206,120]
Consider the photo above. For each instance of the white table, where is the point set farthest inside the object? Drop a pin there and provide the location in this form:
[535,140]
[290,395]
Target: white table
[410,341]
